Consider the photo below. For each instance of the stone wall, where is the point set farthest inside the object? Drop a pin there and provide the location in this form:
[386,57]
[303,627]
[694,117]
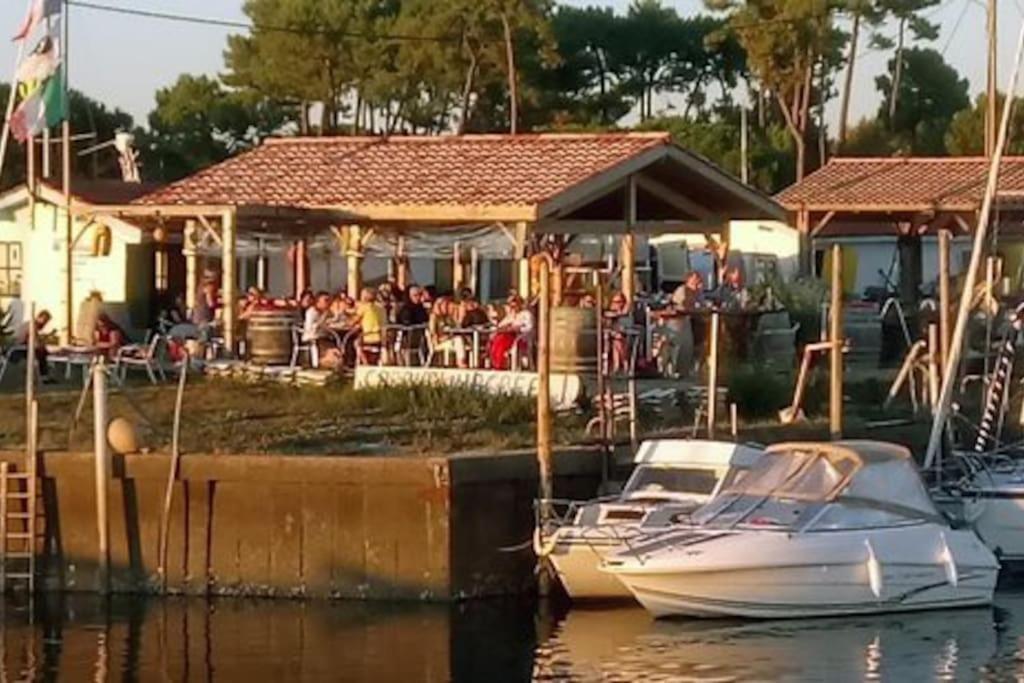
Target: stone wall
[320,526]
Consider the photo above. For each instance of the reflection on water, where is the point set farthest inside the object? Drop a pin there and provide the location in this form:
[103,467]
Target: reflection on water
[85,638]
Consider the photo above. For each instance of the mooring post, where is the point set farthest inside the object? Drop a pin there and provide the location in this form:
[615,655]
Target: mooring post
[944,296]
[835,412]
[102,457]
[713,375]
[933,367]
[544,422]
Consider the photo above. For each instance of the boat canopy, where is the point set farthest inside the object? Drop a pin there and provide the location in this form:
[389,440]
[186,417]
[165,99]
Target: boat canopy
[853,474]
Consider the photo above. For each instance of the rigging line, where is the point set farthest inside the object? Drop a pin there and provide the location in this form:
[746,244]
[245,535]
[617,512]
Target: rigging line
[956,27]
[228,23]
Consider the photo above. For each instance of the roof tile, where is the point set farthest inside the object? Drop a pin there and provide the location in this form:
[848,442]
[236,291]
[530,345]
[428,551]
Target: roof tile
[951,183]
[477,170]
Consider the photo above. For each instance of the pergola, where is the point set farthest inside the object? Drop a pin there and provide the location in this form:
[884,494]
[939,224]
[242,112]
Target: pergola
[904,197]
[557,184]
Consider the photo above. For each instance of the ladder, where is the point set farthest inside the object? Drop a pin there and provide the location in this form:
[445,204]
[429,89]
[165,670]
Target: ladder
[18,521]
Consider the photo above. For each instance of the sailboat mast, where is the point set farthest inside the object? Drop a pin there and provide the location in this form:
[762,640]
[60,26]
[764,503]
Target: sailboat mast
[991,76]
[66,163]
[980,235]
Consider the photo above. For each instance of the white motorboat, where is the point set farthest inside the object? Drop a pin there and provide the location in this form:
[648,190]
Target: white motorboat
[813,530]
[989,498]
[672,477]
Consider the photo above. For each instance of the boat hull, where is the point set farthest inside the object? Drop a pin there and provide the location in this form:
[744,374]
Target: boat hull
[577,561]
[824,574]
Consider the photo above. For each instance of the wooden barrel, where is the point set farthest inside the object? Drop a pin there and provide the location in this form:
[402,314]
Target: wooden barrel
[573,340]
[269,336]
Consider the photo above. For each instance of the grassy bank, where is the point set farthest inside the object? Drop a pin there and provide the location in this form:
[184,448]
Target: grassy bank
[223,416]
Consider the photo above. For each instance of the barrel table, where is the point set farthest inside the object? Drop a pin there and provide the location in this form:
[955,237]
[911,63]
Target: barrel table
[269,336]
[574,340]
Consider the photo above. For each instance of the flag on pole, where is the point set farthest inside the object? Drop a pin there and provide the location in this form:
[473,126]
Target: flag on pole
[43,107]
[38,10]
[43,61]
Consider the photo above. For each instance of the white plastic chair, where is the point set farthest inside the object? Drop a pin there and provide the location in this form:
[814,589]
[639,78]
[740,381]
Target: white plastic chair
[299,346]
[144,356]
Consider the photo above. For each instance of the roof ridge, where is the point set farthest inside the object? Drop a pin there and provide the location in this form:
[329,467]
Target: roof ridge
[919,159]
[439,139]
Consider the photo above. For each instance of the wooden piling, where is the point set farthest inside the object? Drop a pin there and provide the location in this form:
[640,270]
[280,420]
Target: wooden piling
[544,421]
[835,411]
[933,366]
[172,475]
[944,296]
[102,469]
[713,375]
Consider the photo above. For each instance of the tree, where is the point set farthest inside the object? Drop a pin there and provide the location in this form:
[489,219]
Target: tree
[717,137]
[930,93]
[646,46]
[868,12]
[197,122]
[785,41]
[966,133]
[907,14]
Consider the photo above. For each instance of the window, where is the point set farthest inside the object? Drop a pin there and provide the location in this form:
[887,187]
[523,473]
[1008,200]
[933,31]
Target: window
[10,269]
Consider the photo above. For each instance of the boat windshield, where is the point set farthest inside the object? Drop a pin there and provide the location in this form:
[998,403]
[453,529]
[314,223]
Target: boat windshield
[671,481]
[823,488]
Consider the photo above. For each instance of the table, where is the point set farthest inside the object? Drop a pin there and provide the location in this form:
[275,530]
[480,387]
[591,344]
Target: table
[71,356]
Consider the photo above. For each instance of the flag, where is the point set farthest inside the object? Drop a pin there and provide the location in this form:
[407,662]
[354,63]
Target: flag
[37,11]
[43,107]
[44,59]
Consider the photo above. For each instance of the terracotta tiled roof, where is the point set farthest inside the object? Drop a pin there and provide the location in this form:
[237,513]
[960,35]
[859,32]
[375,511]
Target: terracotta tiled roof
[350,172]
[947,183]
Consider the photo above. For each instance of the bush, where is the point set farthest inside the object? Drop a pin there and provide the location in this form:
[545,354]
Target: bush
[758,391]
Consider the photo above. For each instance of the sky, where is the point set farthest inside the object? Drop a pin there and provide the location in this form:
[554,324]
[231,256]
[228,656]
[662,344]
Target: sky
[123,60]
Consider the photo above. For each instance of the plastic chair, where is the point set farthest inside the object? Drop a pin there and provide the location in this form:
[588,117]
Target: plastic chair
[144,356]
[299,346]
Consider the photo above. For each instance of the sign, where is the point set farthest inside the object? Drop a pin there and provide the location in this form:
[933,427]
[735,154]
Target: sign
[565,389]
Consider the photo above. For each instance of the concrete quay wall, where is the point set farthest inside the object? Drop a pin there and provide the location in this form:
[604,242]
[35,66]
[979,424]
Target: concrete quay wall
[405,528]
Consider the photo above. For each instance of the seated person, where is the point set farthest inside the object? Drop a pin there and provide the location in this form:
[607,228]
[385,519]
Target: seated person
[108,336]
[370,317]
[342,311]
[412,313]
[254,301]
[513,329]
[442,319]
[618,321]
[314,326]
[21,338]
[472,314]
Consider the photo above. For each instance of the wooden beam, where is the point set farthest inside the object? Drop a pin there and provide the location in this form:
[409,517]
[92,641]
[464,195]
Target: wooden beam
[190,239]
[522,253]
[835,403]
[673,198]
[229,280]
[620,227]
[822,223]
[627,250]
[354,260]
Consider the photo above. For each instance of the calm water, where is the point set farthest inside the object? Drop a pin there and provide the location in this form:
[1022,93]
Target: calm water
[83,639]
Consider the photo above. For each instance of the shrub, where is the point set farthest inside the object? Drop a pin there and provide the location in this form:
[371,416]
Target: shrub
[758,391]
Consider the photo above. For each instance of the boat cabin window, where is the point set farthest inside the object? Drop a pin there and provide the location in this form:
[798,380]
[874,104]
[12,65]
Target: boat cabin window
[653,480]
[839,516]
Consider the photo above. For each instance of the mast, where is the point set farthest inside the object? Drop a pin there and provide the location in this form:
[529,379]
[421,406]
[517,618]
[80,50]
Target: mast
[980,235]
[66,148]
[991,93]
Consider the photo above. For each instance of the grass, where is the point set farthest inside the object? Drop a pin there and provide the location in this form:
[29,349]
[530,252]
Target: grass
[225,416]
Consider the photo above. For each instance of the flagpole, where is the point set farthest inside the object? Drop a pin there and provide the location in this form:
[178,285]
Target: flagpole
[66,129]
[11,98]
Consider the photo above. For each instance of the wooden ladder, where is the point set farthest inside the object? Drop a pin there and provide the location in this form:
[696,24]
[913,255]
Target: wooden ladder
[18,517]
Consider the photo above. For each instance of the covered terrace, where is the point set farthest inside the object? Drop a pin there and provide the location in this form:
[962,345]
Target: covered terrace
[891,209]
[537,191]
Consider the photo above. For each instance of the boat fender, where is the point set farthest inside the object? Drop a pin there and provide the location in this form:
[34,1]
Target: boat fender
[949,564]
[874,570]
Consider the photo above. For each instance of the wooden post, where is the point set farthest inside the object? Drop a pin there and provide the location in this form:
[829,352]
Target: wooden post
[30,360]
[229,281]
[933,366]
[944,295]
[835,412]
[627,249]
[522,248]
[102,469]
[713,375]
[301,258]
[734,421]
[474,270]
[402,276]
[544,422]
[354,260]
[172,475]
[458,274]
[188,250]
[261,264]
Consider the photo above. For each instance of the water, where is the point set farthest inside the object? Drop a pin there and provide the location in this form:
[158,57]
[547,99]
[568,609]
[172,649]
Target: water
[78,638]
